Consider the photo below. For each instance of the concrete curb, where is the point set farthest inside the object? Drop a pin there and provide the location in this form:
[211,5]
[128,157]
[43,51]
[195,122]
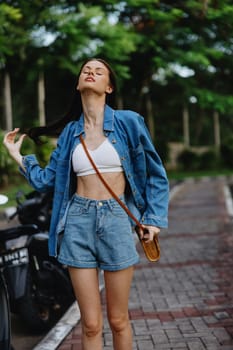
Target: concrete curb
[63,327]
[228,200]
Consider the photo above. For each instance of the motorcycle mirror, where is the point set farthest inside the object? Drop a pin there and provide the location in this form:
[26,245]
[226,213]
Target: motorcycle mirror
[3,199]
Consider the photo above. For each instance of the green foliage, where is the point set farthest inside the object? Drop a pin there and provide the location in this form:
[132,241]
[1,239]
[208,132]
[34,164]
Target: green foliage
[9,37]
[215,101]
[189,160]
[227,152]
[44,151]
[149,43]
[9,168]
[14,185]
[209,160]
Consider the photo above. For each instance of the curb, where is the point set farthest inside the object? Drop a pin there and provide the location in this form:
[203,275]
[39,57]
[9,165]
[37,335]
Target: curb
[64,326]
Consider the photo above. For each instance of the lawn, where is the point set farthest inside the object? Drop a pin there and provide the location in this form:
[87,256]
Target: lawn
[11,190]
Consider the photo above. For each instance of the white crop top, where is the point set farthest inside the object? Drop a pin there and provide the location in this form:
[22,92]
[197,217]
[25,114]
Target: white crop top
[105,157]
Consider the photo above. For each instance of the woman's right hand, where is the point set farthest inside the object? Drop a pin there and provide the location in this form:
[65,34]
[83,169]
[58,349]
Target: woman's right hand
[13,144]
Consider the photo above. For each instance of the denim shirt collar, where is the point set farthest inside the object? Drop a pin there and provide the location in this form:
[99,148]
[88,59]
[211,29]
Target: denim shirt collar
[108,121]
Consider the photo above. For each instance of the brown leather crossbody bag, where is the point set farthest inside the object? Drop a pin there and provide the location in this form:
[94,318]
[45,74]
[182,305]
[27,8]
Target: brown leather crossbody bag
[151,248]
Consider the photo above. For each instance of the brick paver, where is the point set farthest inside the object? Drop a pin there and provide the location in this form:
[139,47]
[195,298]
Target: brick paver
[184,301]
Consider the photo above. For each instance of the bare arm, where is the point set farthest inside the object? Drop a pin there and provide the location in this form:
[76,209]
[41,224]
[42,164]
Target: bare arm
[14,145]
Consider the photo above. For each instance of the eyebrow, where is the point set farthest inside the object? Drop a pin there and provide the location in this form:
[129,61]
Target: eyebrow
[97,68]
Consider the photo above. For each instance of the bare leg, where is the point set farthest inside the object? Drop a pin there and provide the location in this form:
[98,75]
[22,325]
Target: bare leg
[86,286]
[117,286]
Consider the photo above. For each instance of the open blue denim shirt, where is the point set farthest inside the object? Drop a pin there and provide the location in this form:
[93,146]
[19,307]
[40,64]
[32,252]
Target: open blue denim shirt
[148,193]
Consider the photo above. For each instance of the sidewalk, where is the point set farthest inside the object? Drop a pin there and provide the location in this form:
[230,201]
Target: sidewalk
[184,301]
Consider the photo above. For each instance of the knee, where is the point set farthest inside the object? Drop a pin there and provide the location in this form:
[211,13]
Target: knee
[118,323]
[92,329]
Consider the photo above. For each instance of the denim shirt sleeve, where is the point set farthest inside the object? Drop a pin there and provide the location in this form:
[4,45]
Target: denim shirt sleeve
[41,179]
[157,186]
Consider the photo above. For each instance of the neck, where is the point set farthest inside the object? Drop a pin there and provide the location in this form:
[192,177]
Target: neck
[93,109]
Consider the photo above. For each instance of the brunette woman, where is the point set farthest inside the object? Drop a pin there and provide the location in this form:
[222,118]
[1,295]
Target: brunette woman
[92,230]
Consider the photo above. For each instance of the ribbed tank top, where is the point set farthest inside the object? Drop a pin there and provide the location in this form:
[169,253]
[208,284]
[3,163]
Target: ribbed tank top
[105,157]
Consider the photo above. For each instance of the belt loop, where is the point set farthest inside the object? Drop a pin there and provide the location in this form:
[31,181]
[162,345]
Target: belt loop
[110,204]
[87,203]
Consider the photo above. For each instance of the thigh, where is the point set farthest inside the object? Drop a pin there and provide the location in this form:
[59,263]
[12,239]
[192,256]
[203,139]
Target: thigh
[117,286]
[86,287]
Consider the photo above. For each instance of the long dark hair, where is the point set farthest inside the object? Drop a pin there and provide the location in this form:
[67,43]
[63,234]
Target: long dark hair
[75,108]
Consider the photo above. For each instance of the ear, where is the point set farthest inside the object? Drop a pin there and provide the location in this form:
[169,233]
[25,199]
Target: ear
[109,89]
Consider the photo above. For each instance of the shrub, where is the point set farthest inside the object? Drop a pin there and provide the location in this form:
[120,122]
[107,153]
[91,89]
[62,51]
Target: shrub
[188,160]
[209,160]
[227,152]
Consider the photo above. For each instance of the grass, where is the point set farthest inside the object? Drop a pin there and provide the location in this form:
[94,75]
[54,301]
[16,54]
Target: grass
[10,190]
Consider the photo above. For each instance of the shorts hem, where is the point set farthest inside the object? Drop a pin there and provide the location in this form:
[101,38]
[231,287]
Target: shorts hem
[105,267]
[78,264]
[118,267]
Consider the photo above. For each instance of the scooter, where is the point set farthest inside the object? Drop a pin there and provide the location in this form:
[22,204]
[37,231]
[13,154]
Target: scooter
[39,287]
[34,208]
[5,324]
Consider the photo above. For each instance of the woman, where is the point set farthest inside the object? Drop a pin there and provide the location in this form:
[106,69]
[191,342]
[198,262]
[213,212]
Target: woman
[96,231]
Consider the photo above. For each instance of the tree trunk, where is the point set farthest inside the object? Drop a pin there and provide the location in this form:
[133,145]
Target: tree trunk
[8,124]
[149,112]
[41,99]
[186,127]
[217,137]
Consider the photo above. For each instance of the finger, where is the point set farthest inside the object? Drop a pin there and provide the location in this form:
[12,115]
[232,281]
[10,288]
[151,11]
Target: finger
[139,231]
[11,135]
[22,137]
[147,238]
[146,234]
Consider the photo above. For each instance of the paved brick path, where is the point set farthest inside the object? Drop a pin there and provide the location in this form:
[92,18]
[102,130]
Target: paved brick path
[185,300]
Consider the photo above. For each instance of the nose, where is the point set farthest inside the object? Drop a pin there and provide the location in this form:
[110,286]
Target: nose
[90,72]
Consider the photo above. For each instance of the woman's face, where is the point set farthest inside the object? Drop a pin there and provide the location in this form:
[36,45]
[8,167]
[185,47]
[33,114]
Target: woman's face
[94,76]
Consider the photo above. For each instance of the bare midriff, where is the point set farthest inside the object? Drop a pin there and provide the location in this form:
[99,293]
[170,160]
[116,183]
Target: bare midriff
[90,186]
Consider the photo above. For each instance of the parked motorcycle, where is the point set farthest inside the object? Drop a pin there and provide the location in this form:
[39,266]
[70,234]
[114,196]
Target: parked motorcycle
[5,324]
[34,208]
[39,286]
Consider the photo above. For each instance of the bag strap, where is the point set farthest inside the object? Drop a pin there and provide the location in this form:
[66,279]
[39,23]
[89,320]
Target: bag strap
[107,186]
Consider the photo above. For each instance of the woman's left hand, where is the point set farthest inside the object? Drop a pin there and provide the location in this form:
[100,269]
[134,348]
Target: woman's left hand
[151,231]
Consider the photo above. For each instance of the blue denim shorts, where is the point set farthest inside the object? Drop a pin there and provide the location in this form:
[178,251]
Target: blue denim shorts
[97,234]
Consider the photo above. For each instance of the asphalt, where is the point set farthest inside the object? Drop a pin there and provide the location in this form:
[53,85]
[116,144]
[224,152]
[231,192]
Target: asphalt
[184,301]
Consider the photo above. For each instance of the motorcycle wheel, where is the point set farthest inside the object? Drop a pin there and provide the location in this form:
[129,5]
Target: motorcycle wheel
[5,325]
[37,316]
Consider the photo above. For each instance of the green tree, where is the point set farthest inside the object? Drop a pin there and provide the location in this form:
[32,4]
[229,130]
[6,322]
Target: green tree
[10,39]
[61,35]
[166,54]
